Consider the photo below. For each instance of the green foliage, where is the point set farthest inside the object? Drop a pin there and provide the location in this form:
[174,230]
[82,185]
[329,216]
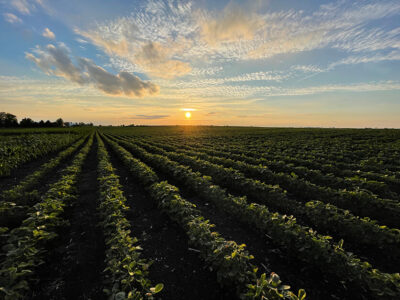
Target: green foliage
[231,262]
[126,273]
[26,245]
[298,241]
[19,149]
[323,217]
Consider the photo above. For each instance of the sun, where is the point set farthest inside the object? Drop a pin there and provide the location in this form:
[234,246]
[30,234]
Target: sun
[188,115]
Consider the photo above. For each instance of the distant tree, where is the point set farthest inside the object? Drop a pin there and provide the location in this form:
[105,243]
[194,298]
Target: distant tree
[8,120]
[48,124]
[60,122]
[41,123]
[27,122]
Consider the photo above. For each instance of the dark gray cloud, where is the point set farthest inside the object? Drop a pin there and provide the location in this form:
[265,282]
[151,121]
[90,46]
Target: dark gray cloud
[56,61]
[150,117]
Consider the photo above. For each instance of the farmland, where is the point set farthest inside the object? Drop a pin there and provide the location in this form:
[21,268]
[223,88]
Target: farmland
[186,212]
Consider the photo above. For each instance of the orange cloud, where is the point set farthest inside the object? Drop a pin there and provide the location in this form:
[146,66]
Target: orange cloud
[231,25]
[154,58]
[110,46]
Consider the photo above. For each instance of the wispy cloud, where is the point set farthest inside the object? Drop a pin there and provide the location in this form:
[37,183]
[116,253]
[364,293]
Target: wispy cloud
[205,71]
[254,76]
[351,60]
[307,68]
[172,39]
[150,117]
[55,60]
[154,59]
[248,91]
[25,7]
[48,34]
[233,24]
[11,18]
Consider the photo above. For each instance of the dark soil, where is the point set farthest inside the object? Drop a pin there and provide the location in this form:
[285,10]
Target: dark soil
[180,270]
[74,265]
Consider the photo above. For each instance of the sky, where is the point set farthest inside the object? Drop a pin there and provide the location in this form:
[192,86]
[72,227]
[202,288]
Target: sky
[248,63]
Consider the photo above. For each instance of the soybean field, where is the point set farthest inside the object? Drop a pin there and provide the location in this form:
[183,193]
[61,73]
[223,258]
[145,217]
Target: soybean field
[199,212]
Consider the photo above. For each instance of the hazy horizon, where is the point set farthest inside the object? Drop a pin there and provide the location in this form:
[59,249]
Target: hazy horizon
[238,63]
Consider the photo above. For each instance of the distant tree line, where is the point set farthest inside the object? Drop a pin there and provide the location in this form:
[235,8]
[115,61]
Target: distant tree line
[8,120]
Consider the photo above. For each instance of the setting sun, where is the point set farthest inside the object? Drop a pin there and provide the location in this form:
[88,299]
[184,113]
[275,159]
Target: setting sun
[188,115]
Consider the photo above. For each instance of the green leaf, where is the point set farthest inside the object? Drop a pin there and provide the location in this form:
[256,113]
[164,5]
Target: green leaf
[158,288]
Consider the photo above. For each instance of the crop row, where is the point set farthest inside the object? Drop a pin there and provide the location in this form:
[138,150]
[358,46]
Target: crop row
[330,167]
[360,202]
[316,176]
[16,201]
[26,245]
[367,153]
[231,261]
[324,217]
[300,242]
[126,272]
[15,151]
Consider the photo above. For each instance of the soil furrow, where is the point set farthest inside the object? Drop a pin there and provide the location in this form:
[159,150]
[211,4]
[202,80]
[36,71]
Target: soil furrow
[75,264]
[176,266]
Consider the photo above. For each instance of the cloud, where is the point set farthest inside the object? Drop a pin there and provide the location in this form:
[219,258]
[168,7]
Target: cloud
[351,60]
[208,53]
[115,44]
[123,83]
[48,34]
[288,43]
[254,76]
[154,58]
[247,91]
[205,71]
[233,24]
[150,117]
[150,57]
[25,7]
[168,39]
[307,68]
[82,41]
[11,18]
[22,6]
[153,40]
[56,61]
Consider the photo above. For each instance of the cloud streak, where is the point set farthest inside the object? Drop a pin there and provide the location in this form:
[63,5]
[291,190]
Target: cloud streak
[150,117]
[25,7]
[55,60]
[11,18]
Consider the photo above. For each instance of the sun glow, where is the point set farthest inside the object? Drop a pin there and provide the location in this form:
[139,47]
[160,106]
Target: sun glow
[188,115]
